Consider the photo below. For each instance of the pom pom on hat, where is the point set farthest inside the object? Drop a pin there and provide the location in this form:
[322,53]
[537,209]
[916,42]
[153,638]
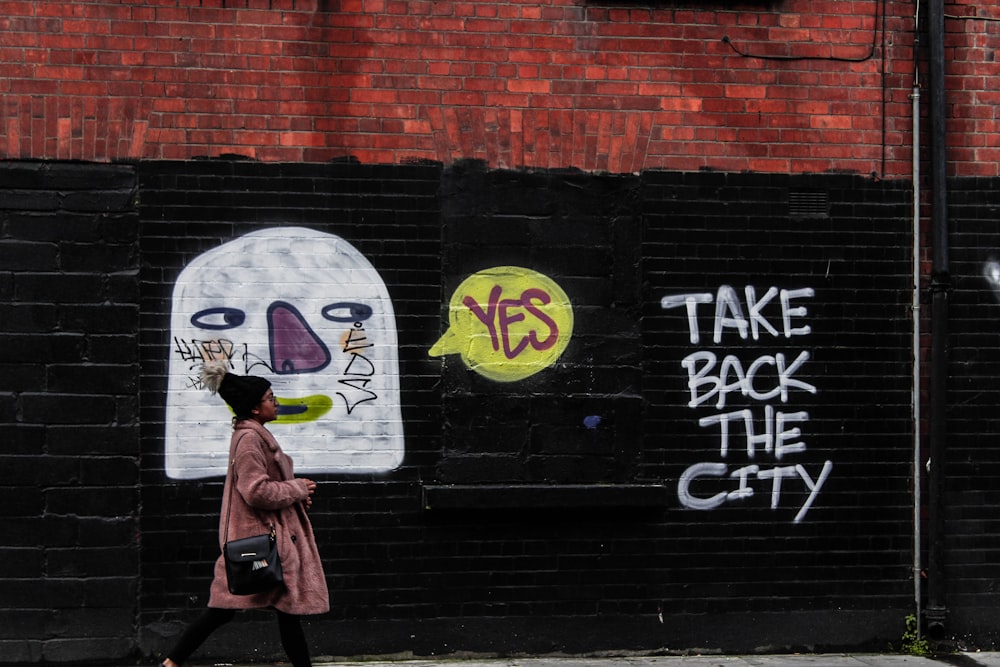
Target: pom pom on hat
[241,392]
[212,373]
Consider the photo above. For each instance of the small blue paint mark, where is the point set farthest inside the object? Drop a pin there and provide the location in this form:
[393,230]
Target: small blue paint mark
[592,421]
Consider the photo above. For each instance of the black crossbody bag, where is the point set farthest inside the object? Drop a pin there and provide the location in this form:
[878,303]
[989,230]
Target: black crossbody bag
[252,563]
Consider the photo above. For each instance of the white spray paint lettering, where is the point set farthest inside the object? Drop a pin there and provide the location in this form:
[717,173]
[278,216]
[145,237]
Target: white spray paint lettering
[777,314]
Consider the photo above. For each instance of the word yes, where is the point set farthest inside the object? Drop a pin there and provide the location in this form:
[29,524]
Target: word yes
[500,314]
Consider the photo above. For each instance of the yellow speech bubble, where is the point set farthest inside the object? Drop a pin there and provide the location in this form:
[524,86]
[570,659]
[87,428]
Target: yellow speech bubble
[507,323]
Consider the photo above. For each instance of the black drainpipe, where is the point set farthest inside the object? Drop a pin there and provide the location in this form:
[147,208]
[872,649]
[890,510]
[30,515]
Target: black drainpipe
[935,611]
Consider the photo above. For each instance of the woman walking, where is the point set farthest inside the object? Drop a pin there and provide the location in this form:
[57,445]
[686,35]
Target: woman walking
[261,491]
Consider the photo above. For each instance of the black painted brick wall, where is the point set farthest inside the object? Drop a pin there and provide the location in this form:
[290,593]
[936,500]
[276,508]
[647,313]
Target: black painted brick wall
[972,470]
[391,215]
[853,549]
[564,567]
[589,569]
[583,231]
[69,492]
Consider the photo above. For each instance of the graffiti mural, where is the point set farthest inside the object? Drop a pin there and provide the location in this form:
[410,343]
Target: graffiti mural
[307,311]
[764,438]
[507,323]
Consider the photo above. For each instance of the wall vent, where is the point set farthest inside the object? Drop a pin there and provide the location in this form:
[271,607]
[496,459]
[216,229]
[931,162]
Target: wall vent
[807,204]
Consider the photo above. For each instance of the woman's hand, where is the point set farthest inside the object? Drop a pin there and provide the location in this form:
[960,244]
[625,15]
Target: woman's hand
[311,488]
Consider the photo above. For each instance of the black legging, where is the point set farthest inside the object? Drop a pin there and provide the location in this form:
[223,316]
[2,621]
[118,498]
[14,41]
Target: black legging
[292,638]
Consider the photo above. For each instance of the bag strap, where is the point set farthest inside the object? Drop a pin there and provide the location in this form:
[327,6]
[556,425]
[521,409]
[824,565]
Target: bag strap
[232,485]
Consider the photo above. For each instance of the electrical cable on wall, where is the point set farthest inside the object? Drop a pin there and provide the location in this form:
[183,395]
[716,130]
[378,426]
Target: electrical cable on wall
[868,56]
[871,53]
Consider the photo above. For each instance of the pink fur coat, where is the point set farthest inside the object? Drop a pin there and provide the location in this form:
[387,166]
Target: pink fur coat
[267,492]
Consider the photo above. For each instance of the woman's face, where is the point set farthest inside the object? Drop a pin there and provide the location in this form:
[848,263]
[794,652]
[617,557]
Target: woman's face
[267,409]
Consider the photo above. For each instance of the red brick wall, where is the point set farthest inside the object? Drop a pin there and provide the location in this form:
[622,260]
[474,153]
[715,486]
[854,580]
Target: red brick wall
[550,83]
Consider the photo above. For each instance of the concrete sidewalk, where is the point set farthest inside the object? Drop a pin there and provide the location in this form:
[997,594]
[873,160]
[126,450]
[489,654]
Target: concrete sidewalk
[977,659]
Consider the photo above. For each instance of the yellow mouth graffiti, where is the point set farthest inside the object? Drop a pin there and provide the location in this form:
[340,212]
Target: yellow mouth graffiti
[299,410]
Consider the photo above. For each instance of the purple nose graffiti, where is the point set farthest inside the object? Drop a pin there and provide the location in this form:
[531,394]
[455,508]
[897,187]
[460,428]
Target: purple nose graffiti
[295,347]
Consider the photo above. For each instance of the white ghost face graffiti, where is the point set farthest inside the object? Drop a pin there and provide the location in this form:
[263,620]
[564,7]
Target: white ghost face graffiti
[307,311]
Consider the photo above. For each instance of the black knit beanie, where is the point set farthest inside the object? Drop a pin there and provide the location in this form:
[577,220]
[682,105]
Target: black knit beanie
[241,392]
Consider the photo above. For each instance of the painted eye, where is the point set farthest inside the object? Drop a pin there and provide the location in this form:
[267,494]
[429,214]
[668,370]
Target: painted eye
[218,318]
[345,311]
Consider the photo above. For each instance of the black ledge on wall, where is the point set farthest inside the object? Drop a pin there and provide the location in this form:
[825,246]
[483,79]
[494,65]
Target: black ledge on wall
[543,496]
